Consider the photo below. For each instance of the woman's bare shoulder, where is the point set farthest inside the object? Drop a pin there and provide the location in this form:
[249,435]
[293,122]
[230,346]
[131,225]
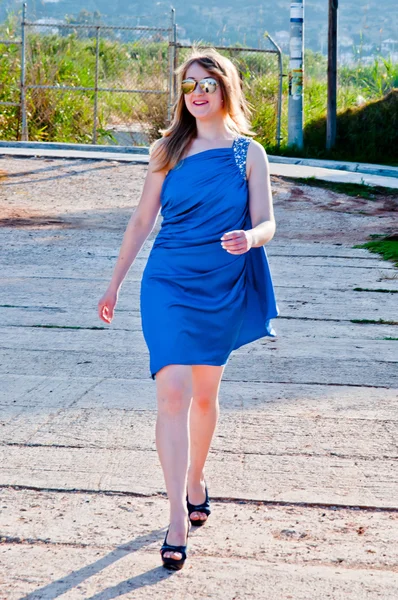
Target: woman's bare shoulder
[157,142]
[156,146]
[256,148]
[156,153]
[257,159]
[256,153]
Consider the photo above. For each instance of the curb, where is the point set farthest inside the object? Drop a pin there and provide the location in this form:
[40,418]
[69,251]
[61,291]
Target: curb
[143,151]
[351,167]
[301,168]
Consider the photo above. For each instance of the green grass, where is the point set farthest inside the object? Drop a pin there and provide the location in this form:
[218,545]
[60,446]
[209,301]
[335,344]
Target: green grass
[373,322]
[366,132]
[356,190]
[386,246]
[379,290]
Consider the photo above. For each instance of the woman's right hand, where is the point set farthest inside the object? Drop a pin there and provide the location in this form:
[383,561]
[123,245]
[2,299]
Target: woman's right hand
[106,306]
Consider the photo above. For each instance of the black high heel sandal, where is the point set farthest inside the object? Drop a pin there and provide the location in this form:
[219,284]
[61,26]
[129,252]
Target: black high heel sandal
[173,563]
[203,508]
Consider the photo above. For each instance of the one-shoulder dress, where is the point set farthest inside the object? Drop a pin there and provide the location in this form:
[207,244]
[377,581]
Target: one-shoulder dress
[199,302]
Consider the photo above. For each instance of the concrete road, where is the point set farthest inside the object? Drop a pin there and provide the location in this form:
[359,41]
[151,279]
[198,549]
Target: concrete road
[302,473]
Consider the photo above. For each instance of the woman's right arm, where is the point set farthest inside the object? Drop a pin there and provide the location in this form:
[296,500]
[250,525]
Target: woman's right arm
[138,229]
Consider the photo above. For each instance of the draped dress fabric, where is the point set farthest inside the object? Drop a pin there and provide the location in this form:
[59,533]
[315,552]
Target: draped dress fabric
[198,301]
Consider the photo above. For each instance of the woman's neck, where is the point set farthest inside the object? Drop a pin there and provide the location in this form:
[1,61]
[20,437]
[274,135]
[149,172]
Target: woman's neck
[211,131]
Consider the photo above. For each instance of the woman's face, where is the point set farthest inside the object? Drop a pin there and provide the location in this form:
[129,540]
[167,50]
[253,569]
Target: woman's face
[202,105]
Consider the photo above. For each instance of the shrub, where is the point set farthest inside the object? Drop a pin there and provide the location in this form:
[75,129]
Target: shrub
[365,133]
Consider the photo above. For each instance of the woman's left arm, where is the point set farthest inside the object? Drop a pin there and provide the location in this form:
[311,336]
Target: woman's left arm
[260,205]
[260,195]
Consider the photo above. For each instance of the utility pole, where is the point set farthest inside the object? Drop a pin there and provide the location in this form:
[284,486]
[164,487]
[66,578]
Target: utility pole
[296,72]
[331,127]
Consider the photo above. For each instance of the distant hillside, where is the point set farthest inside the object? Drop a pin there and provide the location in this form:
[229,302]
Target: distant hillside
[231,21]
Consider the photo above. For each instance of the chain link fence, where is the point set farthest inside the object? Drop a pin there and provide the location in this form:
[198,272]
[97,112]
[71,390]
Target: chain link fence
[96,83]
[10,86]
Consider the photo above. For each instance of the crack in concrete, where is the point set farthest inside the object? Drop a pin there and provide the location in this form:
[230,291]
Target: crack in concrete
[212,451]
[380,321]
[129,547]
[67,327]
[85,393]
[290,256]
[222,499]
[34,308]
[70,328]
[261,381]
[49,419]
[385,268]
[327,319]
[393,439]
[6,539]
[326,384]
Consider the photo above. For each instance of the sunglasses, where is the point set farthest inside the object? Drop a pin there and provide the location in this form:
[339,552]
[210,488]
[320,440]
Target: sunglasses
[208,85]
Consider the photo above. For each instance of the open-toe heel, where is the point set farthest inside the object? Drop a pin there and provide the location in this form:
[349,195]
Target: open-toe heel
[173,563]
[203,508]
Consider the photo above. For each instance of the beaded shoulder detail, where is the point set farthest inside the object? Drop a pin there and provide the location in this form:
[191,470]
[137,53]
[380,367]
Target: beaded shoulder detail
[241,145]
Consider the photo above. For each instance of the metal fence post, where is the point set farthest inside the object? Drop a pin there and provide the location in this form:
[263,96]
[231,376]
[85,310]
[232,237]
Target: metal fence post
[97,38]
[172,49]
[280,99]
[24,132]
[280,91]
[175,62]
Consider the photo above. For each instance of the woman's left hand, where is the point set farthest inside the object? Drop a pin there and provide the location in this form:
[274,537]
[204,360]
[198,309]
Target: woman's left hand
[237,242]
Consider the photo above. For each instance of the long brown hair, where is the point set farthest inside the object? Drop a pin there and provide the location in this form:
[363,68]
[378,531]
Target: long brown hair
[182,130]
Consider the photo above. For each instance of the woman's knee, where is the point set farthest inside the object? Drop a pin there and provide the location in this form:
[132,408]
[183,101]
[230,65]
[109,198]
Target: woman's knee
[205,402]
[174,389]
[206,381]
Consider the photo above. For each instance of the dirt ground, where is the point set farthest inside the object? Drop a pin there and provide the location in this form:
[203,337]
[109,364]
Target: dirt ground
[82,193]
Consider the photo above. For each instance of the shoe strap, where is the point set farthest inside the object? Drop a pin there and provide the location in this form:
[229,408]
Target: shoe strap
[169,548]
[204,508]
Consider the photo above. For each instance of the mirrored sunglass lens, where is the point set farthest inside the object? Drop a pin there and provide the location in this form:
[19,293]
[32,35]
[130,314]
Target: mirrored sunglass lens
[188,86]
[208,85]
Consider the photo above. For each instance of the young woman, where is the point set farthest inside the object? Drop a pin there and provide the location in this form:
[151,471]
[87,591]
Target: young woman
[206,288]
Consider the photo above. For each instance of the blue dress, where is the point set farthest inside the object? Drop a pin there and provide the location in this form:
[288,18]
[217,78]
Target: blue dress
[198,301]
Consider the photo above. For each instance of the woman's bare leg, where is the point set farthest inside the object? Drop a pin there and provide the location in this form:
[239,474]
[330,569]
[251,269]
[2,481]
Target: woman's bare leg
[202,424]
[174,393]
